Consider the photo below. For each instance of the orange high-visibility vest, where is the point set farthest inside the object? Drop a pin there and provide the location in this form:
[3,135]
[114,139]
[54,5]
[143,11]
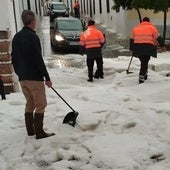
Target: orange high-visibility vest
[92,38]
[145,33]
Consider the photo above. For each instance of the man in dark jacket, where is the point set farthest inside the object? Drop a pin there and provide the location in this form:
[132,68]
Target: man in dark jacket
[144,37]
[29,66]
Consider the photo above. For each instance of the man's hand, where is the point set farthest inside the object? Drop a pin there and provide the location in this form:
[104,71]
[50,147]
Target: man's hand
[48,83]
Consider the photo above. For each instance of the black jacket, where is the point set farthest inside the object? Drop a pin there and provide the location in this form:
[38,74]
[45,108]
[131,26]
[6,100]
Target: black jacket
[145,49]
[27,57]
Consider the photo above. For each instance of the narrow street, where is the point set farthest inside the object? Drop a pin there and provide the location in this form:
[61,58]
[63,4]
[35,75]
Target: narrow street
[54,59]
[112,48]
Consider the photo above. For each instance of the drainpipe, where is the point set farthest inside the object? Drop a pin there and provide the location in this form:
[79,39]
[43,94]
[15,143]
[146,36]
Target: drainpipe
[39,7]
[15,18]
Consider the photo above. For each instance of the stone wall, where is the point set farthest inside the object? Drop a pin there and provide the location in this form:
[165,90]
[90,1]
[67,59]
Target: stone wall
[6,69]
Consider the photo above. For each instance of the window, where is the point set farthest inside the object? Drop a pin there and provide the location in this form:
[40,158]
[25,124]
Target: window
[84,7]
[69,25]
[29,5]
[90,8]
[87,6]
[108,6]
[58,6]
[81,4]
[100,6]
[94,10]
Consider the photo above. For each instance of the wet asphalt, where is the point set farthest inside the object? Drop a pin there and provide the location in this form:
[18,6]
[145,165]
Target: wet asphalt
[62,58]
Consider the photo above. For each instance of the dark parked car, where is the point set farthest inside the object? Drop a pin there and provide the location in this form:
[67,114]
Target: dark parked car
[65,32]
[58,9]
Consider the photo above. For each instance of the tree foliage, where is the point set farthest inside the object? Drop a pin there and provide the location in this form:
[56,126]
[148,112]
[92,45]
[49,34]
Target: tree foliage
[161,5]
[156,5]
[125,4]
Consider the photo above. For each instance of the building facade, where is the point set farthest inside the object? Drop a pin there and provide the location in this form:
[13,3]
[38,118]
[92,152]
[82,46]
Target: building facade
[99,10]
[10,13]
[122,22]
[10,19]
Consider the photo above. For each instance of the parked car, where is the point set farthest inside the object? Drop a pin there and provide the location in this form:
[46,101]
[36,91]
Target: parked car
[58,9]
[65,32]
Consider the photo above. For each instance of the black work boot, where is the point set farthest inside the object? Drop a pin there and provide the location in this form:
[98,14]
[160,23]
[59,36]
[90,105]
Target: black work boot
[141,81]
[96,76]
[90,79]
[102,77]
[38,125]
[29,123]
[146,77]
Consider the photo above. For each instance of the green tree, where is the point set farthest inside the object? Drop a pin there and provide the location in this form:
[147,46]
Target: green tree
[162,6]
[126,5]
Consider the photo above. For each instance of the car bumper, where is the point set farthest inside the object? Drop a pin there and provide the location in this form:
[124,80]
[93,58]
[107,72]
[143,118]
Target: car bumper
[65,44]
[58,15]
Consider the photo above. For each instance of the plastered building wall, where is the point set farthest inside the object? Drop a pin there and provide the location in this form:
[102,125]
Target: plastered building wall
[10,13]
[156,18]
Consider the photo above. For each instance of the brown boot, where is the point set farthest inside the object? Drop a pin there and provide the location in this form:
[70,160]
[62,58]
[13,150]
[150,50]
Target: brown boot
[29,123]
[38,125]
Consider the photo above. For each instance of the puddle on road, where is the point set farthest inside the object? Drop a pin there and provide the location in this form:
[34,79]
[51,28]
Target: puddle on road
[63,62]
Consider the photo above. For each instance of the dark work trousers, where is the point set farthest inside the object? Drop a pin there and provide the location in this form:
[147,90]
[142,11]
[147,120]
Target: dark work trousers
[94,54]
[144,60]
[76,12]
[90,65]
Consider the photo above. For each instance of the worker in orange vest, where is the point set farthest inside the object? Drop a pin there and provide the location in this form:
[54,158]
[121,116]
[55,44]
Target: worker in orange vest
[76,7]
[92,40]
[144,37]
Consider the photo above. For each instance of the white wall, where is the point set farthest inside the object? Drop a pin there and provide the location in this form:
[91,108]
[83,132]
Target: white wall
[4,16]
[110,20]
[121,22]
[9,19]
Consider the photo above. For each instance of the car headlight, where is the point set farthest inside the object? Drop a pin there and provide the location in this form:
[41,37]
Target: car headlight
[59,38]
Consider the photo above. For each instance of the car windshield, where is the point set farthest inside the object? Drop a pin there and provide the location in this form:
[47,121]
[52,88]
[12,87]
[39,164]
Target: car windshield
[58,7]
[69,25]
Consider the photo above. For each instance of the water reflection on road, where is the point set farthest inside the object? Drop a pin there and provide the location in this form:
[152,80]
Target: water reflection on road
[64,61]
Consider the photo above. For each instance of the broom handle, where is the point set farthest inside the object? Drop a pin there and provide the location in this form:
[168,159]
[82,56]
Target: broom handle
[63,99]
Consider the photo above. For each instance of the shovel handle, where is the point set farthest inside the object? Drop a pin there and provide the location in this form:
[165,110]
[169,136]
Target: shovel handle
[63,99]
[129,63]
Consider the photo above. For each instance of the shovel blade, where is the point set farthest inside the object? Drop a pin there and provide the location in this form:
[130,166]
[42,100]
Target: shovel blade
[129,72]
[70,118]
